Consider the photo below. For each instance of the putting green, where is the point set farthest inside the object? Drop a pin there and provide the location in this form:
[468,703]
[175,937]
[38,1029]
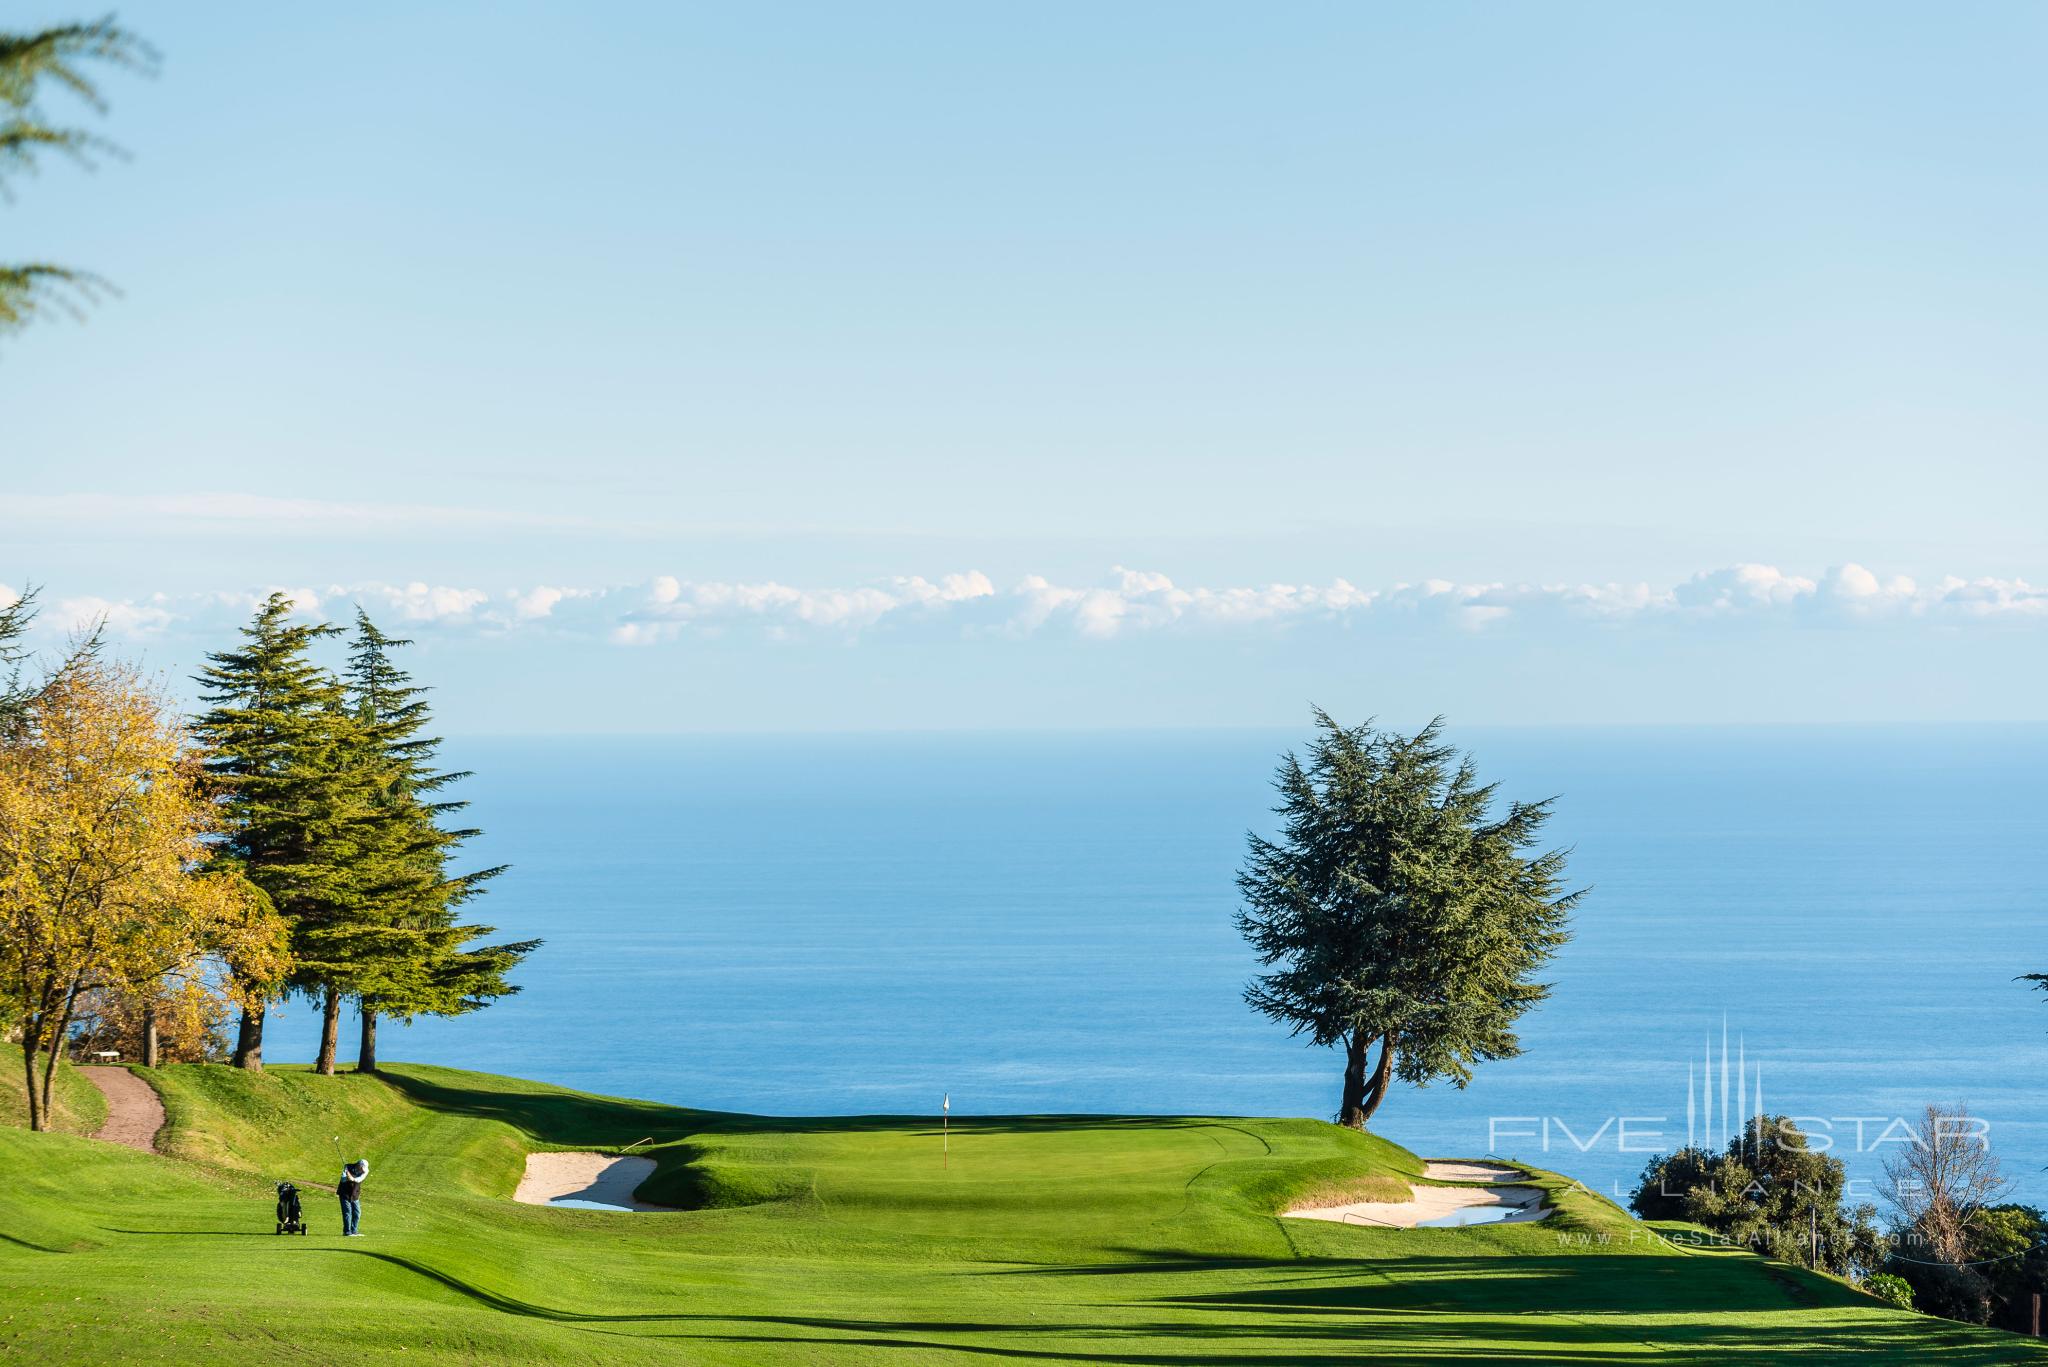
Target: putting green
[1087,1239]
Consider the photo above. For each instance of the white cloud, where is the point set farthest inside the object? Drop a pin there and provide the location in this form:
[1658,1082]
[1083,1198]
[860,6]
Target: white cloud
[305,601]
[1127,602]
[951,588]
[1741,588]
[418,602]
[2010,598]
[118,617]
[540,601]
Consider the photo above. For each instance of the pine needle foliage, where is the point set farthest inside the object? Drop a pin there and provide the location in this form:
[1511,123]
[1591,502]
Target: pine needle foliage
[414,956]
[334,808]
[276,736]
[59,57]
[1398,911]
[18,686]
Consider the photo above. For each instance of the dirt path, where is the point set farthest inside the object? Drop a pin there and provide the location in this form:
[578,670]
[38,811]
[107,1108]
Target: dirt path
[135,1114]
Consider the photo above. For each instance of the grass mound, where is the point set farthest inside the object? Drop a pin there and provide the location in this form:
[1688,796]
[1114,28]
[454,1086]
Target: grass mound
[76,1105]
[1148,1240]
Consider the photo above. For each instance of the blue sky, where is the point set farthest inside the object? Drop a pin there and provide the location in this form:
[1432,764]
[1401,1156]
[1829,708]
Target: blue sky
[691,367]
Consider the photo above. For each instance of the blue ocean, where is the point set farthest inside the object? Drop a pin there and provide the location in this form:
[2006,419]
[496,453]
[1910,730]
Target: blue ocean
[1042,922]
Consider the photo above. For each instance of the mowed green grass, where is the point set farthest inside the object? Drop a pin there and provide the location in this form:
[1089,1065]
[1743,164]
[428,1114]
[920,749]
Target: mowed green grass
[1047,1239]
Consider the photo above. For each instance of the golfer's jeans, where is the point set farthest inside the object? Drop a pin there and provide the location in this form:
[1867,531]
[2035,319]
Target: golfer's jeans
[351,1211]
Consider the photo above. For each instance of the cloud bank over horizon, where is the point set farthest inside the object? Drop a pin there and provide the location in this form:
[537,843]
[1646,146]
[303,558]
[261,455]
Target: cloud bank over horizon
[667,610]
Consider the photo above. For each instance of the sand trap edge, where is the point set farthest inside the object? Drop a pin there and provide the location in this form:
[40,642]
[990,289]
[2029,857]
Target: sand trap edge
[601,1177]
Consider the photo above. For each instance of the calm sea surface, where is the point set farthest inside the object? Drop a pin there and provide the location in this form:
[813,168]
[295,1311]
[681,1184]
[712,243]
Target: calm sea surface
[1043,923]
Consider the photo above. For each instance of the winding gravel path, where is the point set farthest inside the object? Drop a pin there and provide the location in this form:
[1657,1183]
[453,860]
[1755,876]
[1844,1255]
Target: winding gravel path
[135,1113]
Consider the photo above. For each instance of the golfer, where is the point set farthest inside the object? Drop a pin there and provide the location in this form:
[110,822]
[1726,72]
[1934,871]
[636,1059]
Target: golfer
[350,1190]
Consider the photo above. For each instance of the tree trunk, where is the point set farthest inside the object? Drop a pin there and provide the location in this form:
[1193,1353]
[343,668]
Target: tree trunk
[55,1045]
[149,1039]
[31,1041]
[1351,1108]
[366,1052]
[330,1032]
[1363,1092]
[1376,1090]
[249,1039]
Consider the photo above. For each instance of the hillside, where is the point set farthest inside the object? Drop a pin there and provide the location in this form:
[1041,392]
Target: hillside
[75,1104]
[1050,1239]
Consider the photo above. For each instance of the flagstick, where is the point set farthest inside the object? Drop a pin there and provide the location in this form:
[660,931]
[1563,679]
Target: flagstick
[946,1133]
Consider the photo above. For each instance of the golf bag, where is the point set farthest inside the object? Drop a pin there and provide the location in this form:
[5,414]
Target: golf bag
[290,1219]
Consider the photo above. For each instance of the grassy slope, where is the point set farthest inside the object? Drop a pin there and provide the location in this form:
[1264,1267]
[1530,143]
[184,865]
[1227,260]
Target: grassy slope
[1080,1239]
[79,1108]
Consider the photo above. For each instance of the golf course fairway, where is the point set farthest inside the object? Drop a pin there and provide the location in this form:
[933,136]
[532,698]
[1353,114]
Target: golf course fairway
[1090,1239]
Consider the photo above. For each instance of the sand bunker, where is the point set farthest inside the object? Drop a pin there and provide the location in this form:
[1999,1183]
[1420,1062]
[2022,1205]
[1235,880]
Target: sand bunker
[584,1181]
[1455,1170]
[1439,1207]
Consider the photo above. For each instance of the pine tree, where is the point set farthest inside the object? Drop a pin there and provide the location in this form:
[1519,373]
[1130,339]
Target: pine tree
[56,56]
[276,738]
[15,620]
[16,693]
[335,933]
[1402,914]
[416,957]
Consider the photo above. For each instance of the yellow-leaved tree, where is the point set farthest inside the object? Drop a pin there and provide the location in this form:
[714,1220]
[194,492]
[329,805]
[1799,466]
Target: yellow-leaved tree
[103,821]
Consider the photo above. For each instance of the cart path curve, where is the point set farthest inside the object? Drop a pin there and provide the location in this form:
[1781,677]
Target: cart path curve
[135,1113]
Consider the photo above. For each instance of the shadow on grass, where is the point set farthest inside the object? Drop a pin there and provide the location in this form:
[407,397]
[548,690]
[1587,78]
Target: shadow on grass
[554,1117]
[1144,1263]
[1561,1283]
[1570,1310]
[682,1179]
[1279,1330]
[563,1117]
[33,1247]
[200,1233]
[1494,1342]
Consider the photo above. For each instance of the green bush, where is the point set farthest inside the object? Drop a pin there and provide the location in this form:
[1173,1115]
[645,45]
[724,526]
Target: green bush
[1890,1289]
[1770,1192]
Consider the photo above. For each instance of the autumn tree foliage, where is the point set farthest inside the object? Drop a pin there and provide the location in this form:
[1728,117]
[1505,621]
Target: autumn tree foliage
[104,882]
[156,876]
[178,1020]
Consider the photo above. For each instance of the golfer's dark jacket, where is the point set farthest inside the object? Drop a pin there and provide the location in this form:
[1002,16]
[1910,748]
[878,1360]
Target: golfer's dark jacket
[350,1187]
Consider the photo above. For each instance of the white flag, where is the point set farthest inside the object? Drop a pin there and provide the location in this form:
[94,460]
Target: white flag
[946,1105]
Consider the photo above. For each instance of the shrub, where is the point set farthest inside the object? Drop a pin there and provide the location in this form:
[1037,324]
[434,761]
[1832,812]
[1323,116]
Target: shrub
[1771,1192]
[2005,1264]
